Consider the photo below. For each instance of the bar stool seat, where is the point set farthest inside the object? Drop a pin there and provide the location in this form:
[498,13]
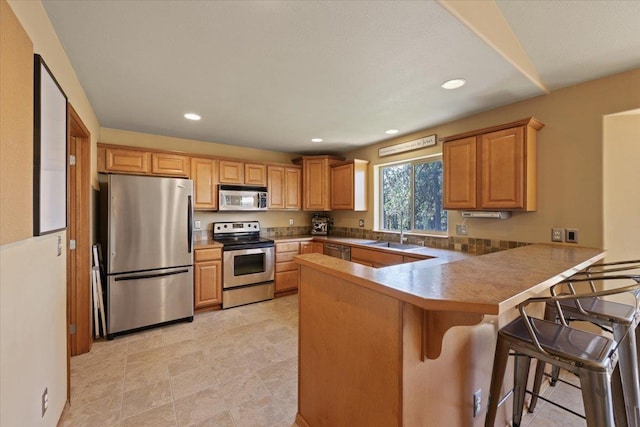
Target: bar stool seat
[591,357]
[623,320]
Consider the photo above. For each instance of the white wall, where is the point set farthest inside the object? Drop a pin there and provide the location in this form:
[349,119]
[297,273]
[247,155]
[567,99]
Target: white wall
[621,178]
[33,342]
[33,347]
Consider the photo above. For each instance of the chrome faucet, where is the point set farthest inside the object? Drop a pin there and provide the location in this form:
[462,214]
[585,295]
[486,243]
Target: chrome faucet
[398,214]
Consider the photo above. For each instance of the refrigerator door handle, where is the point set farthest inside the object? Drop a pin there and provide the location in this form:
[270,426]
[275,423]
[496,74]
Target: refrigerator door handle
[190,226]
[149,276]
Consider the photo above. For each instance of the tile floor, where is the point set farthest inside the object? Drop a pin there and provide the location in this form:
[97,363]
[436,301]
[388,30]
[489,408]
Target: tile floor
[232,368]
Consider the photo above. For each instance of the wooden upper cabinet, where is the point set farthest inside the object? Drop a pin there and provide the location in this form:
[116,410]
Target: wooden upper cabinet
[255,174]
[502,167]
[459,159]
[493,168]
[284,187]
[231,172]
[169,164]
[316,182]
[349,185]
[204,173]
[111,159]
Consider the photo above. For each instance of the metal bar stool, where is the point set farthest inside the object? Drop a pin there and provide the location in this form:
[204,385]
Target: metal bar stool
[620,319]
[591,357]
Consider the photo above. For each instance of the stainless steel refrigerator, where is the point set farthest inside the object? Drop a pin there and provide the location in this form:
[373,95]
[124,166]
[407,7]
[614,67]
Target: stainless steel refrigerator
[147,241]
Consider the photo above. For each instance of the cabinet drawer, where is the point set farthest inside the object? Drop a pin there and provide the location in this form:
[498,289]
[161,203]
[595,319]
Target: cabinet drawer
[286,266]
[287,247]
[285,256]
[208,254]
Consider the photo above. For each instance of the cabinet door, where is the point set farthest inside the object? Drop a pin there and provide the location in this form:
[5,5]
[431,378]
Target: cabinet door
[208,284]
[286,281]
[293,182]
[316,185]
[231,172]
[460,165]
[255,174]
[342,187]
[129,161]
[276,185]
[502,165]
[169,164]
[306,247]
[204,176]
[318,247]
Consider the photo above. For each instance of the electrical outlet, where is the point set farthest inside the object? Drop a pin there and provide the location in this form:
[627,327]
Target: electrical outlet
[557,234]
[462,230]
[290,221]
[45,401]
[571,235]
[196,224]
[477,402]
[361,222]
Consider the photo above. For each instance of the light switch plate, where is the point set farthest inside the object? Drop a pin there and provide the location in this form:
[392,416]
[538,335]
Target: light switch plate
[571,235]
[462,230]
[197,224]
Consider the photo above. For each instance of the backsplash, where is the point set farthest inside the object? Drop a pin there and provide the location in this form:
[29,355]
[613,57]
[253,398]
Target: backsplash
[274,232]
[462,244]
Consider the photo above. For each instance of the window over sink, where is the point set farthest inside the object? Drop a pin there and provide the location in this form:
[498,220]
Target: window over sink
[411,192]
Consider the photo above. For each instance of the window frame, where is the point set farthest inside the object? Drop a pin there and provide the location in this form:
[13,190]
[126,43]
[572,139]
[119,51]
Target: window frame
[378,214]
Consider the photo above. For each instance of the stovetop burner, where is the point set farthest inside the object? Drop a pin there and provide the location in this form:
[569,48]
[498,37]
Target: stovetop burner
[245,234]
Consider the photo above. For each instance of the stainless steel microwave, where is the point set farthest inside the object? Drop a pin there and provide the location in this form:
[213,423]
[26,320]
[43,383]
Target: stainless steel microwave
[242,198]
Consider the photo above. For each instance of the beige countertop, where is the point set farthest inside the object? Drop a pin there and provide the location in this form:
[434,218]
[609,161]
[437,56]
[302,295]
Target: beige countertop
[206,244]
[427,252]
[485,284]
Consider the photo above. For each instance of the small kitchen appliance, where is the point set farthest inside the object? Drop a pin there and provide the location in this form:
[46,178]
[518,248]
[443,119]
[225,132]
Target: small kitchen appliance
[248,263]
[242,198]
[320,225]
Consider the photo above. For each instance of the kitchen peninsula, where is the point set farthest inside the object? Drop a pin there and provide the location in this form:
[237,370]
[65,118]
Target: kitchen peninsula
[409,345]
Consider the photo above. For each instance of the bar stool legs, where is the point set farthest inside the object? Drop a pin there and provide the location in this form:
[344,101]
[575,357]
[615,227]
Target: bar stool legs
[591,357]
[628,366]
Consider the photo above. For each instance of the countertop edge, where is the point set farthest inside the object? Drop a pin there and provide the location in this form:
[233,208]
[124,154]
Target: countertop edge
[451,275]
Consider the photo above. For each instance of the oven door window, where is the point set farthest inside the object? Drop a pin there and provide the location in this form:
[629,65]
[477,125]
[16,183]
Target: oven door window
[248,264]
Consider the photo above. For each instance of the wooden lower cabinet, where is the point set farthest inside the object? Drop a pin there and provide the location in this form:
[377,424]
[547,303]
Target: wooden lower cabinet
[207,290]
[286,268]
[311,247]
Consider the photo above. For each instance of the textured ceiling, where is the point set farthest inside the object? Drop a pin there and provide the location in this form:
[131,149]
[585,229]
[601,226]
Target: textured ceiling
[274,74]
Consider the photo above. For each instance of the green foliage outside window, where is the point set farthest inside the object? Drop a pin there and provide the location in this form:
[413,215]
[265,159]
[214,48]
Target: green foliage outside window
[413,191]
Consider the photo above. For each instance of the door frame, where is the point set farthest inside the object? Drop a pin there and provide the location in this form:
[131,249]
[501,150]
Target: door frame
[78,229]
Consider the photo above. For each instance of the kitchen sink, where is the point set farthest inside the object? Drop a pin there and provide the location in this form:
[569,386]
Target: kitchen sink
[395,245]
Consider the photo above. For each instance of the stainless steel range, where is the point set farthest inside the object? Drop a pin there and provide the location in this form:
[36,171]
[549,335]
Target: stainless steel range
[248,263]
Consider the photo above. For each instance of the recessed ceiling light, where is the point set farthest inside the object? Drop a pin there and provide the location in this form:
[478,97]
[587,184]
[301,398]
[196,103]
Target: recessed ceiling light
[316,140]
[192,116]
[453,84]
[391,131]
